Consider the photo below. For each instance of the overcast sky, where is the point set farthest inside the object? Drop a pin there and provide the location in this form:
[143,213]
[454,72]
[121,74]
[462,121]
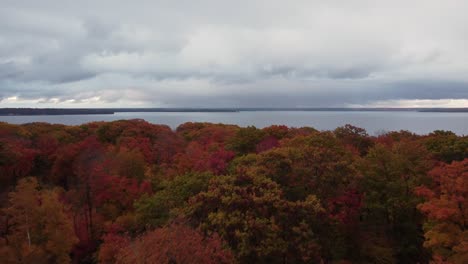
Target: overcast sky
[108,53]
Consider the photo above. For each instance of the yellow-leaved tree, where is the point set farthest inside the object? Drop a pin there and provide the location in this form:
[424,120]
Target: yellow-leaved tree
[39,229]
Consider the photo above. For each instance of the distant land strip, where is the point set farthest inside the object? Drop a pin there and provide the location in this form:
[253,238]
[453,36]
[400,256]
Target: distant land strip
[53,111]
[111,111]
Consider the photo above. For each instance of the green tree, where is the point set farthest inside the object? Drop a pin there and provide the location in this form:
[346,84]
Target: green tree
[246,140]
[447,146]
[355,137]
[157,209]
[250,214]
[390,175]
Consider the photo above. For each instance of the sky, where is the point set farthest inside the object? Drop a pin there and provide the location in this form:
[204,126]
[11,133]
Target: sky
[215,53]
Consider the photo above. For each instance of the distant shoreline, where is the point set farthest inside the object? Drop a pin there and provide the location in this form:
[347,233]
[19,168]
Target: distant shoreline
[111,111]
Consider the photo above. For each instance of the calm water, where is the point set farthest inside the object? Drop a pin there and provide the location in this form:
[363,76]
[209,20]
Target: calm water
[373,122]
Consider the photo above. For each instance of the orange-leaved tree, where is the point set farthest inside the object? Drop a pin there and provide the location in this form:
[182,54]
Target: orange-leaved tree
[446,207]
[173,244]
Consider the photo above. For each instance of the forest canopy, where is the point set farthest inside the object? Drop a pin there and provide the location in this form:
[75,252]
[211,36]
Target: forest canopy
[130,191]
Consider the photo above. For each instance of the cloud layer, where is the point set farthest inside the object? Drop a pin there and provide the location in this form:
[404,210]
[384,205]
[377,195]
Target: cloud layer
[233,54]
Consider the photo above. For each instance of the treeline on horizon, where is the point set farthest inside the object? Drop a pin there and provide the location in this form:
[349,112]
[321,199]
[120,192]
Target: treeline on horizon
[135,192]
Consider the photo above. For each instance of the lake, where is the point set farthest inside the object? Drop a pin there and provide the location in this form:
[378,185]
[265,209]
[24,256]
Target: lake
[373,121]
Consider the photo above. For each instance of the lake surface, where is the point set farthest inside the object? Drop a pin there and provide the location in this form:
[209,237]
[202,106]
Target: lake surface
[373,121]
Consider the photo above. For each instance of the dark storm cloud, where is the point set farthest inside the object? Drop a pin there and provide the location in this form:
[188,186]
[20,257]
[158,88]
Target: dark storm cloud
[425,89]
[243,53]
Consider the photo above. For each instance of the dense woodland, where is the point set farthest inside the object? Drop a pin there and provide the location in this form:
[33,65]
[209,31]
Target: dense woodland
[135,192]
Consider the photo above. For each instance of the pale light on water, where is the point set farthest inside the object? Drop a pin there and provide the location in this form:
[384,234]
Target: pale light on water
[373,121]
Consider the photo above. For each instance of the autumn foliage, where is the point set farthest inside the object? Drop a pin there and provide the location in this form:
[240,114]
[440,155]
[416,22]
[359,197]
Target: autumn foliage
[446,207]
[172,244]
[135,192]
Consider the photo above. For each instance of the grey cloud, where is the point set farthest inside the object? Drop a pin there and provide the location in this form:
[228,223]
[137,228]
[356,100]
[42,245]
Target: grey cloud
[352,73]
[8,70]
[96,28]
[214,53]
